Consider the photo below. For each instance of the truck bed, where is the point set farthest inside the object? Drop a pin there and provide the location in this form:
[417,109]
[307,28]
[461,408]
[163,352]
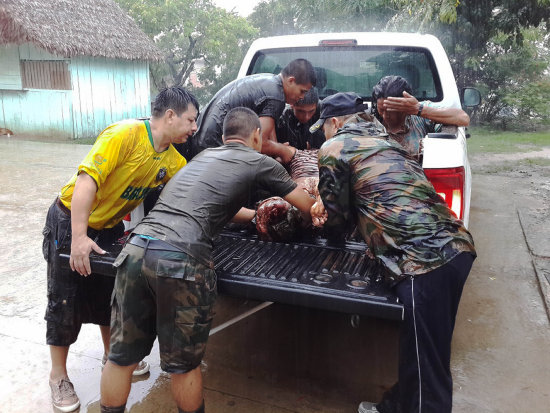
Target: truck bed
[308,273]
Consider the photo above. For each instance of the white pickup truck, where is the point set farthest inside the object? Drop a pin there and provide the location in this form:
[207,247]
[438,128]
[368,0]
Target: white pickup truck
[355,62]
[312,272]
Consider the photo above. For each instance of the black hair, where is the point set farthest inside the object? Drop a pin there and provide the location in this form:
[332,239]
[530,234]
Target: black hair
[241,122]
[176,98]
[389,86]
[310,98]
[302,70]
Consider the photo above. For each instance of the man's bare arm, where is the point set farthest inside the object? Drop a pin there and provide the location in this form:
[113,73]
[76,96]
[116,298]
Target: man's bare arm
[410,105]
[81,245]
[270,146]
[301,200]
[244,216]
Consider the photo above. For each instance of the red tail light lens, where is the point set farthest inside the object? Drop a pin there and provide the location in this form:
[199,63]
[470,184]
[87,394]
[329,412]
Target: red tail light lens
[126,220]
[449,185]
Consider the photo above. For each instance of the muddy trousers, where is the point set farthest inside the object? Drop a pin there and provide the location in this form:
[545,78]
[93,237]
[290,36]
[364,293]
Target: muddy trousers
[430,301]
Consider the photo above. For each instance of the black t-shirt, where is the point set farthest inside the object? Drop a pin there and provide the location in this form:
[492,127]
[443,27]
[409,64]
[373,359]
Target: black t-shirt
[289,129]
[263,93]
[203,196]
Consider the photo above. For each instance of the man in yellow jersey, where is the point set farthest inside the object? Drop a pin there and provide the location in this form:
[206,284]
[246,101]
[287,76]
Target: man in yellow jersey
[129,159]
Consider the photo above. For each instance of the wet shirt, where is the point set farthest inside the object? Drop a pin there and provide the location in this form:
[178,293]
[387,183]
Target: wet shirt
[416,128]
[125,166]
[370,180]
[196,204]
[262,93]
[290,129]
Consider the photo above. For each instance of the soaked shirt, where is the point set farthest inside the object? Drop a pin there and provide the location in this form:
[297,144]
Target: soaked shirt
[125,167]
[416,128]
[262,93]
[196,204]
[370,180]
[289,129]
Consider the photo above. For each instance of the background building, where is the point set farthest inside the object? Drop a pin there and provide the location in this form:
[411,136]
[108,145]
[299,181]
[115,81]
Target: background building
[69,68]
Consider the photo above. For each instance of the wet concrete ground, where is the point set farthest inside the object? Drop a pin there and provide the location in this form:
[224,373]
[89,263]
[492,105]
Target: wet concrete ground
[284,358]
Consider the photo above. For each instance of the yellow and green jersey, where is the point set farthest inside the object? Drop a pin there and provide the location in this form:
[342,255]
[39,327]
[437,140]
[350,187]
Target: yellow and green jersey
[125,166]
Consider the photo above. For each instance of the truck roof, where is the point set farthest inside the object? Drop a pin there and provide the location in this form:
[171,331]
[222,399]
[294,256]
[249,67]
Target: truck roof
[450,96]
[362,38]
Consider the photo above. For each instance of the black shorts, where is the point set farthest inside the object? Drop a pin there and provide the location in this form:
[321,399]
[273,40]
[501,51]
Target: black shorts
[72,298]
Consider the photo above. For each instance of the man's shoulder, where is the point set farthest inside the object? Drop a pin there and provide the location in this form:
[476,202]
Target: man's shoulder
[130,122]
[122,130]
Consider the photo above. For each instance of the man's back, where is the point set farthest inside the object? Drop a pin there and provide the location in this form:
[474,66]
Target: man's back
[398,212]
[263,93]
[196,204]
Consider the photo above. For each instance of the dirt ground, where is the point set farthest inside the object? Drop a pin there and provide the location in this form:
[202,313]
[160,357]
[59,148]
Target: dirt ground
[286,359]
[531,198]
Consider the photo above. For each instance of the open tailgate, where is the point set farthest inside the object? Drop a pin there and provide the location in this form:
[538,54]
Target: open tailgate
[311,274]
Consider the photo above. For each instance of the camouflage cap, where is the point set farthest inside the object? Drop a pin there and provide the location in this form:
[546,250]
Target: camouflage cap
[339,104]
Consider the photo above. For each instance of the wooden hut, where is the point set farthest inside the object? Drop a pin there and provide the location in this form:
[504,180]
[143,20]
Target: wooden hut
[69,68]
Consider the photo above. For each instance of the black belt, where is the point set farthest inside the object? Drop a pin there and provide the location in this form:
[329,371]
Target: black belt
[62,206]
[152,244]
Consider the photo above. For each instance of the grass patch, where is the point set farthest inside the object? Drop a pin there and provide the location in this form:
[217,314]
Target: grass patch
[484,140]
[518,166]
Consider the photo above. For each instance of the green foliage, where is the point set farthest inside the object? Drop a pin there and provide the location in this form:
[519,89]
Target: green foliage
[516,81]
[499,46]
[191,32]
[486,140]
[280,17]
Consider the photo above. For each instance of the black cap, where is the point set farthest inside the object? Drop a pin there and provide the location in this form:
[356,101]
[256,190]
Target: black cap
[339,104]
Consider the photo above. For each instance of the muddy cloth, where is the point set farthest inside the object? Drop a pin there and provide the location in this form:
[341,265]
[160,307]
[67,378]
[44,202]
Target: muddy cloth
[304,164]
[263,93]
[371,180]
[290,129]
[72,298]
[277,219]
[181,319]
[195,205]
[304,170]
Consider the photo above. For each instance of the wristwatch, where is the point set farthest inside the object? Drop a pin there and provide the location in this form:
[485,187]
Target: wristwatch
[420,107]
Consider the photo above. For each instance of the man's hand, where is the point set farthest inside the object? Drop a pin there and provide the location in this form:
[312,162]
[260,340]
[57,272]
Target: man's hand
[80,254]
[318,213]
[407,104]
[287,153]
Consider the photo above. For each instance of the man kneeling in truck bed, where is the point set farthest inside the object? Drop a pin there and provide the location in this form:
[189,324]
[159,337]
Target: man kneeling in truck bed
[427,253]
[166,267]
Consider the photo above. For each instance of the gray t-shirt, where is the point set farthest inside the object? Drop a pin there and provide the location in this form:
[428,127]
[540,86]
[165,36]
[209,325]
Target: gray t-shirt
[203,196]
[263,93]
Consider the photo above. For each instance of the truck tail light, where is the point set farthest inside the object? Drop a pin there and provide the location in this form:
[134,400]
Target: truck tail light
[449,185]
[126,221]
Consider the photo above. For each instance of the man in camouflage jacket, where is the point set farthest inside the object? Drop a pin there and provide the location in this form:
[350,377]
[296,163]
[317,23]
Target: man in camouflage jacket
[371,181]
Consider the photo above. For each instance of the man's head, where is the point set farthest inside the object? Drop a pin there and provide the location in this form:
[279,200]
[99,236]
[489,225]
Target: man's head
[298,77]
[243,125]
[306,107]
[176,110]
[335,109]
[389,86]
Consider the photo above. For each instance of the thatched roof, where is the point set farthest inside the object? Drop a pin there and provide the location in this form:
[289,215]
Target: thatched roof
[75,28]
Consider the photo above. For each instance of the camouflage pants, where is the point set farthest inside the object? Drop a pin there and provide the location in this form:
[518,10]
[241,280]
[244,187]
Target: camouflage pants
[164,293]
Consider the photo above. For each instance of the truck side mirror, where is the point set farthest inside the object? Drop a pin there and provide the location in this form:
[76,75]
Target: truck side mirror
[470,97]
